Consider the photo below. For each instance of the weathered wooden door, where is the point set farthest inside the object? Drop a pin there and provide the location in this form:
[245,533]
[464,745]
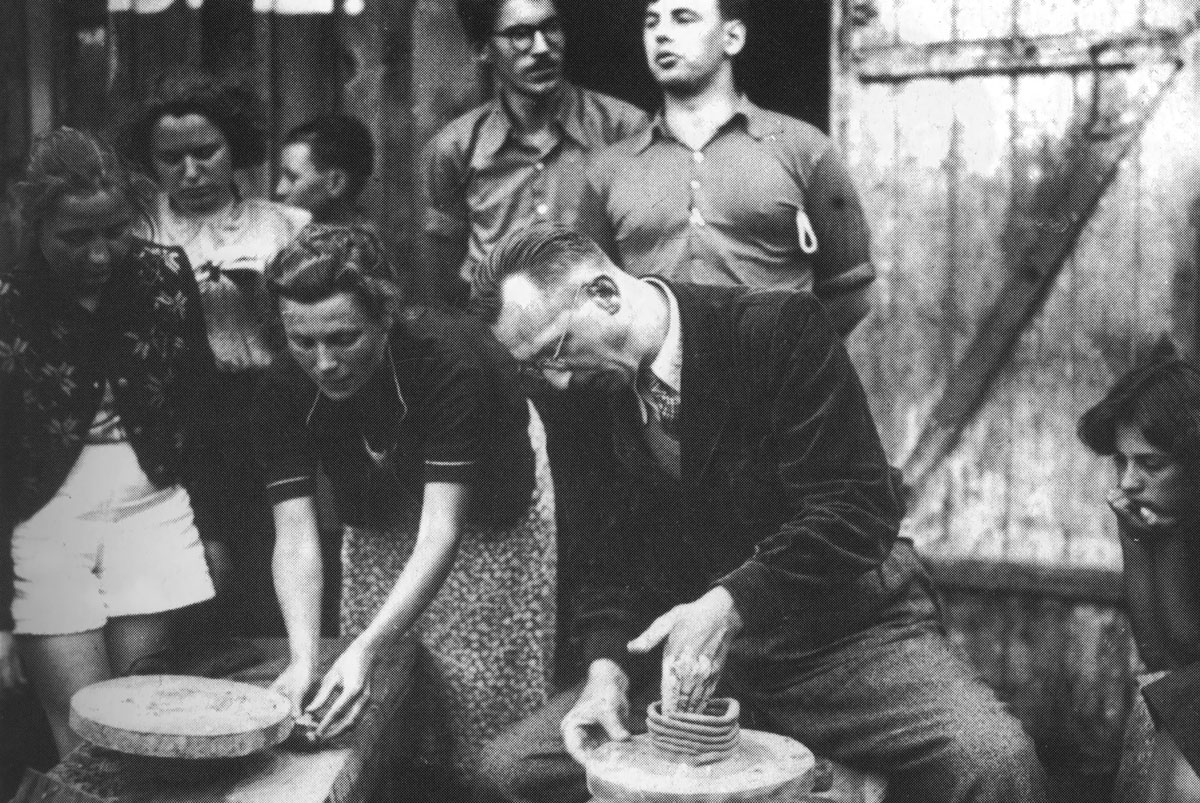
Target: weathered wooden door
[985,136]
[1030,174]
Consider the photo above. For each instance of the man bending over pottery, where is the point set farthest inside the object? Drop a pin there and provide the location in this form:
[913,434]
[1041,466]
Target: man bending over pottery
[756,540]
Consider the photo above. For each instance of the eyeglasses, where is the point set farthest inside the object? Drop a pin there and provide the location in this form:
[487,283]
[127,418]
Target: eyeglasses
[522,37]
[555,361]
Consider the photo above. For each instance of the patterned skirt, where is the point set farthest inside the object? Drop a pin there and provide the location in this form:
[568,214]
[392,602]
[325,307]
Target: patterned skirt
[488,636]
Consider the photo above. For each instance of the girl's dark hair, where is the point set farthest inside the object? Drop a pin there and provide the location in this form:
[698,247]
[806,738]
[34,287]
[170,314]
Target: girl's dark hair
[1162,399]
[229,105]
[325,260]
[68,161]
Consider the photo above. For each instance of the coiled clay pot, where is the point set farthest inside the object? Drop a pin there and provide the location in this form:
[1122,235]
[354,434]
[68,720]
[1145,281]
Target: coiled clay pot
[696,738]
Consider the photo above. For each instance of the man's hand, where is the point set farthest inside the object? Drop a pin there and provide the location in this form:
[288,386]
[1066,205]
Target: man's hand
[12,675]
[1141,524]
[698,636]
[603,706]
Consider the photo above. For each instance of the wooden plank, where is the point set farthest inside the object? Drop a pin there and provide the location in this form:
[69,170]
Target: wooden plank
[1064,52]
[43,21]
[163,40]
[14,92]
[1041,580]
[1066,196]
[85,65]
[377,89]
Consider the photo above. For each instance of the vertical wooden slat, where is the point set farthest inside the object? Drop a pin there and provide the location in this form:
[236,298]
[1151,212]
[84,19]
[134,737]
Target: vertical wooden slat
[377,90]
[14,90]
[85,64]
[164,40]
[43,22]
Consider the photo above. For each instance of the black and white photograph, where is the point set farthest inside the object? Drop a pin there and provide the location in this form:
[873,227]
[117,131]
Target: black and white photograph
[600,401]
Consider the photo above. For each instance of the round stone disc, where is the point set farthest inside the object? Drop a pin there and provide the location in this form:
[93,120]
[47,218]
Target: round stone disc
[179,716]
[764,764]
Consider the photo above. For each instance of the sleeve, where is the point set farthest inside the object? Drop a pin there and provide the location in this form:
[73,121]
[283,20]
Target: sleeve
[843,258]
[201,459]
[844,510]
[594,221]
[283,445]
[444,211]
[456,416]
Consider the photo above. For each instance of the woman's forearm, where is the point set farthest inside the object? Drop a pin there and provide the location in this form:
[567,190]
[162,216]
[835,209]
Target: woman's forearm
[427,568]
[299,576]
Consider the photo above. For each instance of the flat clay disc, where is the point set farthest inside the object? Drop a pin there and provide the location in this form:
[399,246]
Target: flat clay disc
[763,765]
[179,716]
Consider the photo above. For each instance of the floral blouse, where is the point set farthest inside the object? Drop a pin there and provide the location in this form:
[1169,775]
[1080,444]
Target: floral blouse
[146,341]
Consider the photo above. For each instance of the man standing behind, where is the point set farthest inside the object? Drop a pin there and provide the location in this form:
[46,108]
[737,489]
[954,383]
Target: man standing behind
[324,165]
[519,157]
[719,191]
[756,543]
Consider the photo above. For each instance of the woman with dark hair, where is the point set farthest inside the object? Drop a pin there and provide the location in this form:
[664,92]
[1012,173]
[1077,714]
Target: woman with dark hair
[438,470]
[192,132]
[1149,423]
[104,369]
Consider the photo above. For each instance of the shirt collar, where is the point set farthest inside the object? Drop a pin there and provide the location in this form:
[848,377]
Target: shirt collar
[497,127]
[668,364]
[758,123]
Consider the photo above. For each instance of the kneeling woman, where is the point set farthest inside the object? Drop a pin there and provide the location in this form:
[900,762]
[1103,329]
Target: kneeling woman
[418,422]
[104,366]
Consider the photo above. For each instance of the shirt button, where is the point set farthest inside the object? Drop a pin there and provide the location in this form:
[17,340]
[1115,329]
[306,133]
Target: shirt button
[543,210]
[137,430]
[695,184]
[540,166]
[698,156]
[122,382]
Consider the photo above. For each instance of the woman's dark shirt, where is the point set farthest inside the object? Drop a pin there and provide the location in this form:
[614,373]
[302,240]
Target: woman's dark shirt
[146,340]
[443,406]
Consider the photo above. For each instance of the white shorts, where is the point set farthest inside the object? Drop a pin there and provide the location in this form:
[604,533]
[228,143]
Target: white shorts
[108,544]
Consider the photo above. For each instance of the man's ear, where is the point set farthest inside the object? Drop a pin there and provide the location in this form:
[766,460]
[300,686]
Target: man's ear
[336,182]
[605,294]
[482,55]
[735,37]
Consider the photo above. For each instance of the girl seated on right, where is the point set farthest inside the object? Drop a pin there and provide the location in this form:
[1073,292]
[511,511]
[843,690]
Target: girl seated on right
[1149,423]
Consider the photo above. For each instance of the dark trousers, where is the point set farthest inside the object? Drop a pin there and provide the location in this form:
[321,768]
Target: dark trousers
[893,699]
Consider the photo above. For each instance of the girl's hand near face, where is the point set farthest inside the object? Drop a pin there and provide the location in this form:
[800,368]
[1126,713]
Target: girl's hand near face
[1141,524]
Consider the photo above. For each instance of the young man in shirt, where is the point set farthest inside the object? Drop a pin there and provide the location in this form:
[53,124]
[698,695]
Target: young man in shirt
[324,165]
[719,191]
[756,541]
[521,156]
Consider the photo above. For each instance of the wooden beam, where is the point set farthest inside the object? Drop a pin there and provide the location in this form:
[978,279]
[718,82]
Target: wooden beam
[1089,585]
[1040,238]
[43,24]
[1015,56]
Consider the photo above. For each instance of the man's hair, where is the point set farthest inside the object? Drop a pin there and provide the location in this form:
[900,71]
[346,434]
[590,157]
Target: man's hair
[545,252]
[326,260]
[729,9]
[233,108]
[1162,399]
[341,141]
[478,18]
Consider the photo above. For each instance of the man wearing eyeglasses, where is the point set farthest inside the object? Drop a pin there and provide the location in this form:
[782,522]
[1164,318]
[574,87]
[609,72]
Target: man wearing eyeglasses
[719,191]
[521,156]
[755,551]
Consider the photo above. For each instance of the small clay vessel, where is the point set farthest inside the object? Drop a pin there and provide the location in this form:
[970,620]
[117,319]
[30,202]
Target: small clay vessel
[696,738]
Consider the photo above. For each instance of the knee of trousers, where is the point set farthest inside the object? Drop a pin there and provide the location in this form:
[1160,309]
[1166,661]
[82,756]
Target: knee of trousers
[995,760]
